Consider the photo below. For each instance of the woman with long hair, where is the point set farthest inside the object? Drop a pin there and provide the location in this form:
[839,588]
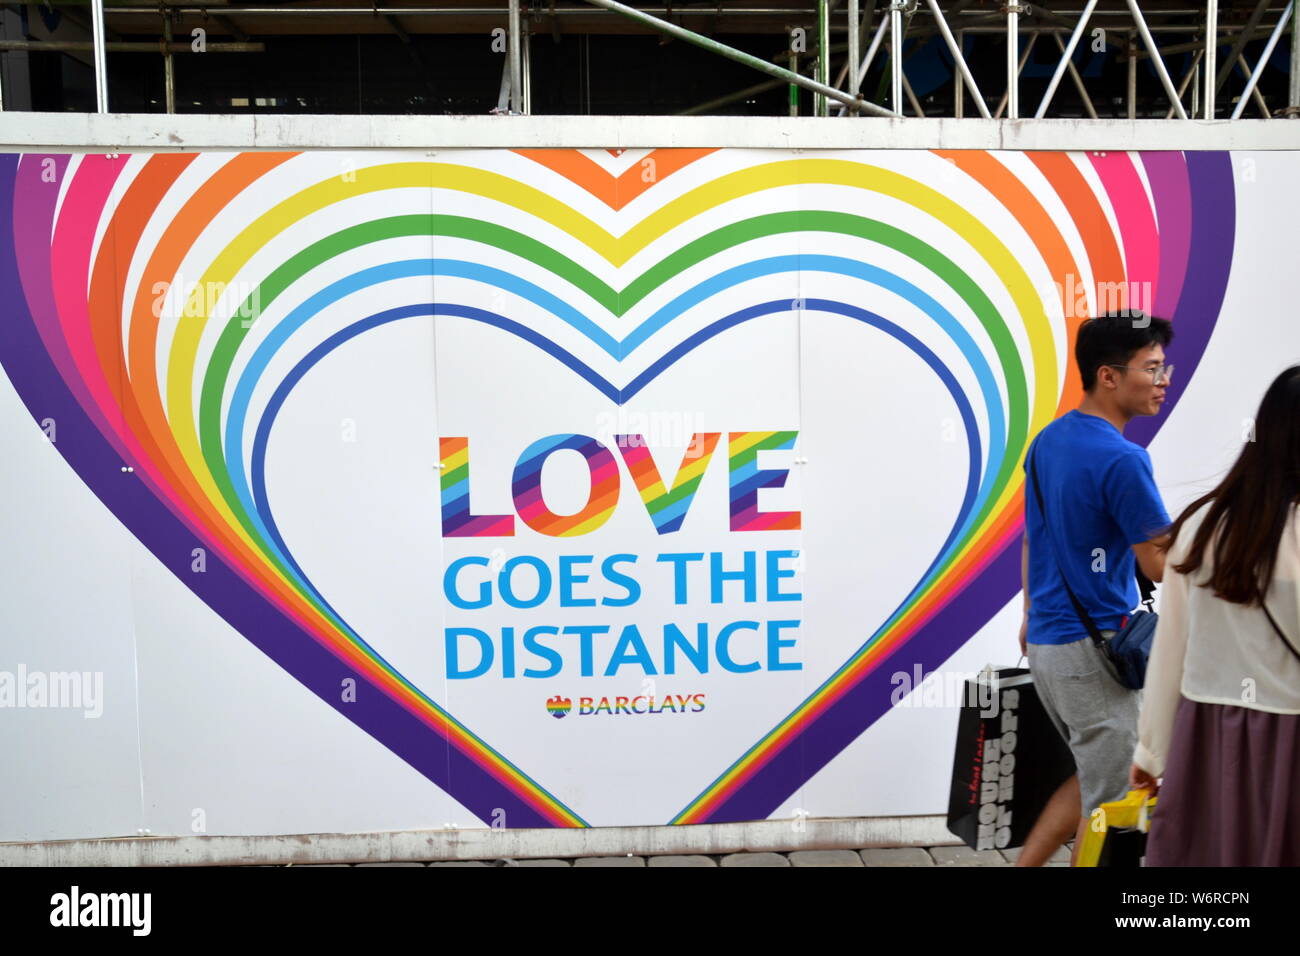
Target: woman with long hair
[1220,718]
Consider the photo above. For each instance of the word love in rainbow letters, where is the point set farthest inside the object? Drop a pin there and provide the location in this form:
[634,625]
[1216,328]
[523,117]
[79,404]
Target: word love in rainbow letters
[667,505]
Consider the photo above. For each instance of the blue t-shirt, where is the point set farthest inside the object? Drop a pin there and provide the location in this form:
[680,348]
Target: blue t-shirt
[1100,495]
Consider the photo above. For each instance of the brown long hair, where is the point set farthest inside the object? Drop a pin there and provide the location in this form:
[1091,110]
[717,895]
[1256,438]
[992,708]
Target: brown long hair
[1251,505]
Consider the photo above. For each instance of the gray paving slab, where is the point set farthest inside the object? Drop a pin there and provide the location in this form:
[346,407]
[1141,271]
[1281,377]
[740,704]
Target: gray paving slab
[458,863]
[1062,855]
[870,856]
[825,858]
[896,856]
[393,863]
[754,859]
[965,856]
[609,861]
[683,860]
[543,863]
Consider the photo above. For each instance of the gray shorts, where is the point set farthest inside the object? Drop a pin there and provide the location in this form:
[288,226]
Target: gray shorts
[1095,714]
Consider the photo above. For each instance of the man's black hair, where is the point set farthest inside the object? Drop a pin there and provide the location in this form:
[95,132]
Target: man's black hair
[1114,338]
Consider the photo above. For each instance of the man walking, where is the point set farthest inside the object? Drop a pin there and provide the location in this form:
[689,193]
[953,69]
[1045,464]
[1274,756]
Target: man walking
[1102,514]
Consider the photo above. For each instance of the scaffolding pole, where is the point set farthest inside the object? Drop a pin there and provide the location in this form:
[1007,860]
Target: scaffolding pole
[1263,60]
[101,68]
[1066,58]
[854,27]
[516,62]
[1012,98]
[1211,55]
[740,56]
[823,56]
[959,59]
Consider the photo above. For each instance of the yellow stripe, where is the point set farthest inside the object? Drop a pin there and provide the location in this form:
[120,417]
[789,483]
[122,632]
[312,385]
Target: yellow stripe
[740,444]
[617,251]
[456,459]
[595,521]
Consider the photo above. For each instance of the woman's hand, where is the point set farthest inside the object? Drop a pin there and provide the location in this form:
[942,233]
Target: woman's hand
[1139,779]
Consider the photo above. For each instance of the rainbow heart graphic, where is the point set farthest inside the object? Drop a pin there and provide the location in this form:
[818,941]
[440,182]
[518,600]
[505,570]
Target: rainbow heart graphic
[621,273]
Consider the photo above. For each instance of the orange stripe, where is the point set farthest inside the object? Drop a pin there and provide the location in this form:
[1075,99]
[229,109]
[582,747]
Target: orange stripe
[106,297]
[1090,220]
[613,192]
[593,507]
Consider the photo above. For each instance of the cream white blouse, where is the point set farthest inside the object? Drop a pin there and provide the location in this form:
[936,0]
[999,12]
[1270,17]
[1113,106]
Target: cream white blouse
[1216,652]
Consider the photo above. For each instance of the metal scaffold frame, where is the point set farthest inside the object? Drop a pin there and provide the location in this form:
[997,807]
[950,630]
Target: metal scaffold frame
[890,24]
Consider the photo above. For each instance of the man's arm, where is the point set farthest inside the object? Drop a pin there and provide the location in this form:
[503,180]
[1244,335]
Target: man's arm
[1151,556]
[1133,500]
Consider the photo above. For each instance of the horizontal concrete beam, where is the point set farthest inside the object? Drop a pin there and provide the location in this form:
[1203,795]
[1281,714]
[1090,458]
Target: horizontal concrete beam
[91,132]
[484,844]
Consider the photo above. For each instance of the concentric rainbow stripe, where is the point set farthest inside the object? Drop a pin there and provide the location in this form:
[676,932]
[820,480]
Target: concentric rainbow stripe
[1193,199]
[85,344]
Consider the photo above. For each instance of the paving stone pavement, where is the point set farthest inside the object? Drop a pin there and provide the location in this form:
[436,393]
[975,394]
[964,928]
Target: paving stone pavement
[951,855]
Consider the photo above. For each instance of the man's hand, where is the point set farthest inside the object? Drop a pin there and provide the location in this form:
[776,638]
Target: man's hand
[1151,557]
[1024,635]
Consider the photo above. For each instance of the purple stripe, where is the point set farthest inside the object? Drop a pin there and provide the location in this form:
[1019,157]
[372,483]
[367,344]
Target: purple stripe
[1209,261]
[1167,174]
[37,381]
[1210,258]
[33,220]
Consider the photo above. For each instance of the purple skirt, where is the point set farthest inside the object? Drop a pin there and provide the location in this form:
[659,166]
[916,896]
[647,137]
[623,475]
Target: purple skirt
[1231,791]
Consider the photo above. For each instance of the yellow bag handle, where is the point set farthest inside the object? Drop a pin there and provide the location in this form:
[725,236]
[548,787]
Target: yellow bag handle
[1132,811]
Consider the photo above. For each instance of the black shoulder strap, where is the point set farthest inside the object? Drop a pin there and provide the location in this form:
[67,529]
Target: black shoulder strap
[1289,647]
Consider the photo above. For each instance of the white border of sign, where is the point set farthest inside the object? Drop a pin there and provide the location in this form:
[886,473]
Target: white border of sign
[89,132]
[30,132]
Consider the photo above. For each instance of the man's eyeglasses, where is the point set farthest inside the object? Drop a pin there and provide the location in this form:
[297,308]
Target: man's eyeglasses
[1158,372]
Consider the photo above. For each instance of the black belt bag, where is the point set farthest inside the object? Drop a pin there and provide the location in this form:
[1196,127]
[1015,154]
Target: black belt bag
[1125,653]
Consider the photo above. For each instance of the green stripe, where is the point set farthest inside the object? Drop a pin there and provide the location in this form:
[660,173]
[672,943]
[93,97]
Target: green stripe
[618,303]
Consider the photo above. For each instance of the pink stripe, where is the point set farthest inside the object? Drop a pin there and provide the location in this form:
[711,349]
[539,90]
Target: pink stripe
[634,454]
[499,526]
[33,213]
[1172,192]
[481,526]
[1137,224]
[530,499]
[34,201]
[769,518]
[533,510]
[74,235]
[83,205]
[605,474]
[744,520]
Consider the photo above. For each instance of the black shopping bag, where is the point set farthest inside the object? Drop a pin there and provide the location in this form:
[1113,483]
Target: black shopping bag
[1117,832]
[1124,847]
[1009,760]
